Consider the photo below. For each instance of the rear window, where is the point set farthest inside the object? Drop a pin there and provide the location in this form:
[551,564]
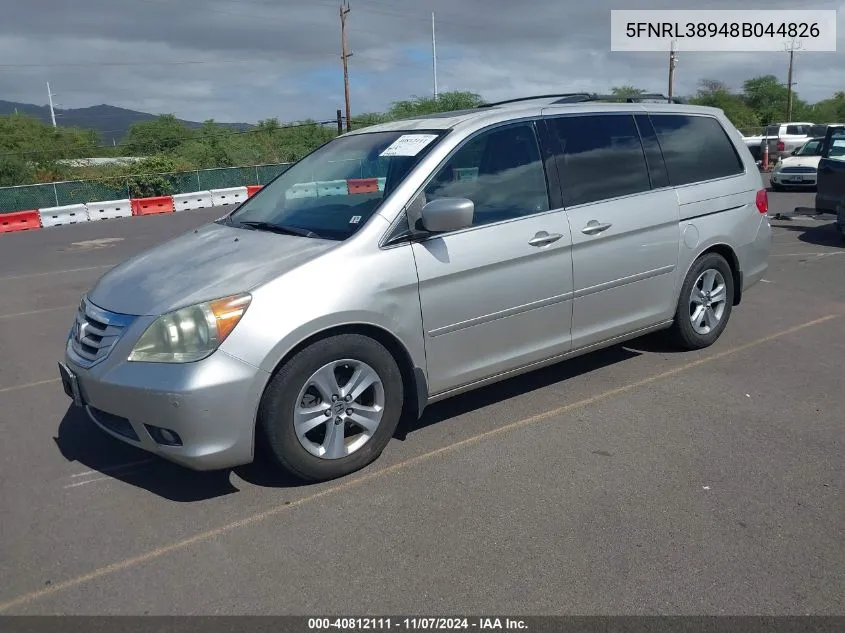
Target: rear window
[695,148]
[773,130]
[798,129]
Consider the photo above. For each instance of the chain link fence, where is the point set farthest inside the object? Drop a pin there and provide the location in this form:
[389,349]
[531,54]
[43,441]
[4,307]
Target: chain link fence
[26,197]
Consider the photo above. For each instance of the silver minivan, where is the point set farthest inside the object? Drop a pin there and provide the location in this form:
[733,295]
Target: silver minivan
[410,261]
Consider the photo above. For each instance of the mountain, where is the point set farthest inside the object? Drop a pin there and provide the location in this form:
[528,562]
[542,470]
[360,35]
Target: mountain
[110,122]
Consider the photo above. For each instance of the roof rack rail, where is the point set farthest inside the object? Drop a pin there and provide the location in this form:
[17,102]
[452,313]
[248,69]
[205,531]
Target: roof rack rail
[581,97]
[639,98]
[565,97]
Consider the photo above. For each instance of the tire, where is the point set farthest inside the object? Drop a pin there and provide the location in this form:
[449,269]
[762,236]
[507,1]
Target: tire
[289,392]
[683,332]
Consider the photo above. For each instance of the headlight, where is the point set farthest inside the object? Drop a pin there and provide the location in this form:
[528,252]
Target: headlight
[192,333]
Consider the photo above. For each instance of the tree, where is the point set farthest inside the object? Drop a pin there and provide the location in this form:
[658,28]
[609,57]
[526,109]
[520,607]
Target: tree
[445,102]
[623,92]
[768,97]
[28,146]
[162,134]
[716,94]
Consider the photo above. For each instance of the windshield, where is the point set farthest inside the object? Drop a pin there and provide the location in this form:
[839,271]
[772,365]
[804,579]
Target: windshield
[810,148]
[332,192]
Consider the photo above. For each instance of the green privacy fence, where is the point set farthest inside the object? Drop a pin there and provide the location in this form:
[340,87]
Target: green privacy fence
[56,194]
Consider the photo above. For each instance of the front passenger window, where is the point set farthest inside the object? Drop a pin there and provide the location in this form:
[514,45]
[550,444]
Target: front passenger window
[500,171]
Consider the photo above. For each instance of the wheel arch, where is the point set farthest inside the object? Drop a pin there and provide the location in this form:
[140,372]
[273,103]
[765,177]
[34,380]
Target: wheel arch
[414,382]
[730,256]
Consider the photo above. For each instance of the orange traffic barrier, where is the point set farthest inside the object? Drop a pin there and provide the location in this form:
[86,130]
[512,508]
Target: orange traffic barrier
[152,206]
[19,221]
[251,190]
[362,185]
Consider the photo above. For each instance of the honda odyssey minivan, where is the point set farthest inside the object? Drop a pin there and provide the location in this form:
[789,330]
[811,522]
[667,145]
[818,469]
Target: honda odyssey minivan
[410,261]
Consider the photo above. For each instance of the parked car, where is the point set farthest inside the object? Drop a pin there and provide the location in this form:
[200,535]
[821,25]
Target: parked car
[798,169]
[502,239]
[782,139]
[830,191]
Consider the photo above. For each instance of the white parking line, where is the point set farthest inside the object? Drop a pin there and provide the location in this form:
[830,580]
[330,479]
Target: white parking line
[119,469]
[109,469]
[96,479]
[43,310]
[810,254]
[56,272]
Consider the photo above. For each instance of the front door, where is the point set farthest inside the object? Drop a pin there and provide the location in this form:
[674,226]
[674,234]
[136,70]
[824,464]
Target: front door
[625,233]
[830,184]
[495,296]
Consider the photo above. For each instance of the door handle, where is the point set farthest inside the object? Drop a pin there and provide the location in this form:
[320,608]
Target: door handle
[542,238]
[594,228]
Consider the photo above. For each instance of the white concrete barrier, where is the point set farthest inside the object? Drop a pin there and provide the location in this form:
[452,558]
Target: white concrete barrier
[109,209]
[302,190]
[228,196]
[66,214]
[190,201]
[332,188]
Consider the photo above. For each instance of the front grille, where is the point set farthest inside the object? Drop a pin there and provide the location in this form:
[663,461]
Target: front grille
[798,170]
[95,332]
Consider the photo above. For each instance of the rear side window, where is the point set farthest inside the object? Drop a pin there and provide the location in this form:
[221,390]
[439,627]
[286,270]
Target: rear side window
[695,148]
[837,146]
[598,157]
[798,129]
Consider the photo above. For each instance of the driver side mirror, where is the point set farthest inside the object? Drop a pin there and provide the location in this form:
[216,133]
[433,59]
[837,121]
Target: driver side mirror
[447,214]
[794,152]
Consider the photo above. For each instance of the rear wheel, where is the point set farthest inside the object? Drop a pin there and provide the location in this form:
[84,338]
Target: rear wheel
[332,408]
[705,304]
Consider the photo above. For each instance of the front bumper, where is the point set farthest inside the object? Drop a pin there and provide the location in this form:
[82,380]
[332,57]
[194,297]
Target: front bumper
[210,404]
[785,180]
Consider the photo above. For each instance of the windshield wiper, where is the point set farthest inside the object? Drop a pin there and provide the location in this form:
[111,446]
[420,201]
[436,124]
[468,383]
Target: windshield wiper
[278,228]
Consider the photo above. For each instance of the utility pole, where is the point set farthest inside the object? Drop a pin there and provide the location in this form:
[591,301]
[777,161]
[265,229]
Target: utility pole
[789,83]
[434,55]
[673,61]
[345,55]
[52,110]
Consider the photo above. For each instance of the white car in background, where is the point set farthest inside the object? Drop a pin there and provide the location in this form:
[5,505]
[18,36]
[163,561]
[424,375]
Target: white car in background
[799,169]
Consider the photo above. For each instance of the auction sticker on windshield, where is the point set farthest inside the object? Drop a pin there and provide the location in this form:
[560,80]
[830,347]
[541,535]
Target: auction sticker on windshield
[408,145]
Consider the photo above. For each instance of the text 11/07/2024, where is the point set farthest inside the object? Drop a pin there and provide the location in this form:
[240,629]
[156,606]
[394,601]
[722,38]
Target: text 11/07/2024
[725,31]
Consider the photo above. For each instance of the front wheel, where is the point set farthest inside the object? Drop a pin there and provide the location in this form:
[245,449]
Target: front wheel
[705,304]
[333,407]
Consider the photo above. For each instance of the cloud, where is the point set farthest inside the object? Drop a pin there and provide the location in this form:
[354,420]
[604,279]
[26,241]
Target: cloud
[243,60]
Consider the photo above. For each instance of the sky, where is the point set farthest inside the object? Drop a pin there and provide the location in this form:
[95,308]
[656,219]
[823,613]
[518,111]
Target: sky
[246,60]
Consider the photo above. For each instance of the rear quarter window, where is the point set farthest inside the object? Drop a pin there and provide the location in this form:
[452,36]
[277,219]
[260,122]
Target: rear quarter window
[695,148]
[836,151]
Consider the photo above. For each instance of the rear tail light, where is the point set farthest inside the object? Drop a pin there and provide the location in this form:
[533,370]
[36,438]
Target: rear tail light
[762,201]
[781,146]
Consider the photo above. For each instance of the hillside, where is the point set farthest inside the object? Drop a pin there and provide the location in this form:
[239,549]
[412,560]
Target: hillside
[110,122]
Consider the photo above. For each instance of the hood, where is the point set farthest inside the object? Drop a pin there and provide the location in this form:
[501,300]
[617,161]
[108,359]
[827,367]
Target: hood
[210,262]
[800,161]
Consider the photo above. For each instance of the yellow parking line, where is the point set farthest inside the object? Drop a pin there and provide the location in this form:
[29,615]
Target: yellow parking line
[377,474]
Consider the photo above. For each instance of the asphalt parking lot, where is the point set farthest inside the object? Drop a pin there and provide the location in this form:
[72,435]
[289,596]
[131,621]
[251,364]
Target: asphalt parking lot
[635,480]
